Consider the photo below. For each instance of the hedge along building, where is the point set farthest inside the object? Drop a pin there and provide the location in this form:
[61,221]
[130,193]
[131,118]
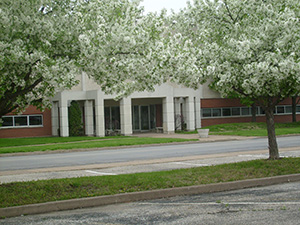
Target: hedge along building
[170,107]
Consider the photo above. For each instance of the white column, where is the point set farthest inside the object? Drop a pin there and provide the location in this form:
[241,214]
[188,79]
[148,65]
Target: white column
[54,119]
[99,114]
[88,113]
[64,121]
[198,112]
[190,113]
[168,115]
[126,116]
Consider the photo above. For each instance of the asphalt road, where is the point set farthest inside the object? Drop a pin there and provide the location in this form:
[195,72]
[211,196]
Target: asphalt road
[138,153]
[277,204]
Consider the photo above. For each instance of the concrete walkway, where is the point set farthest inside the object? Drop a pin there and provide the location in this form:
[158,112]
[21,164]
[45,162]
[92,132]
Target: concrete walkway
[210,138]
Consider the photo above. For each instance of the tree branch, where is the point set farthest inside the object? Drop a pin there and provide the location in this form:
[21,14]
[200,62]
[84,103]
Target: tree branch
[229,13]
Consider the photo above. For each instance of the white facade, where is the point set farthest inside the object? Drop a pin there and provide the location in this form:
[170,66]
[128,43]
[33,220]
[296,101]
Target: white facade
[141,111]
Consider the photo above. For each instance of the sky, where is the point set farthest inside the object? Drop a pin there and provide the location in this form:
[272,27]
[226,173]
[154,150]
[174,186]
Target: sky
[157,5]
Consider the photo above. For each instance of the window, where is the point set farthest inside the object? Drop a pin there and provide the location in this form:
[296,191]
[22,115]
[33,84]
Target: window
[143,117]
[236,111]
[288,109]
[216,112]
[244,111]
[261,111]
[112,118]
[280,110]
[35,120]
[22,121]
[226,112]
[206,112]
[8,121]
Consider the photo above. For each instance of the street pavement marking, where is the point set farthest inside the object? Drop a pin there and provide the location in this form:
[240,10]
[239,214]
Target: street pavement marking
[190,164]
[100,173]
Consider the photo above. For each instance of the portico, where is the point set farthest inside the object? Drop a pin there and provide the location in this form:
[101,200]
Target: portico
[140,112]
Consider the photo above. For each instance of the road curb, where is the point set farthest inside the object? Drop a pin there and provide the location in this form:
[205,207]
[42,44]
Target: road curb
[140,196]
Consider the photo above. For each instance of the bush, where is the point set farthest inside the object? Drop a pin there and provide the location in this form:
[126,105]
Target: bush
[75,120]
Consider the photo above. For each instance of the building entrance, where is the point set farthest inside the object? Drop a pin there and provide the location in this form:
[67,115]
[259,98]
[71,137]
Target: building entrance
[143,117]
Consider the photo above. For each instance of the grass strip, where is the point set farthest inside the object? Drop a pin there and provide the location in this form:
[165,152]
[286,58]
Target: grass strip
[23,193]
[9,142]
[93,144]
[253,129]
[249,129]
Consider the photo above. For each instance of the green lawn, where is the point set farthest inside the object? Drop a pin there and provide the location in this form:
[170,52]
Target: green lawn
[23,193]
[250,129]
[62,144]
[13,145]
[7,142]
[253,129]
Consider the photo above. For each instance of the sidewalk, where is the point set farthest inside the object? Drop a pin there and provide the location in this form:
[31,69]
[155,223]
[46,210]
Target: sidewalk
[210,138]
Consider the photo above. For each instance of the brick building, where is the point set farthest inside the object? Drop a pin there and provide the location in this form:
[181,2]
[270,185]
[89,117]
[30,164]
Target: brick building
[169,108]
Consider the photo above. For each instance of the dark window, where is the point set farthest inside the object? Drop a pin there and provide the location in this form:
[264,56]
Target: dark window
[136,117]
[107,118]
[288,109]
[226,111]
[280,109]
[7,121]
[261,111]
[246,111]
[21,121]
[35,120]
[152,116]
[115,117]
[236,111]
[206,112]
[216,112]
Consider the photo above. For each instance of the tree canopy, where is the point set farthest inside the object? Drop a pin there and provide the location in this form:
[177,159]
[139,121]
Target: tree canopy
[38,51]
[249,49]
[124,50]
[45,44]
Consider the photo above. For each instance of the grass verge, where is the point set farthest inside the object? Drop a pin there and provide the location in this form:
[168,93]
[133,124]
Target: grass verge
[92,144]
[23,193]
[10,142]
[250,129]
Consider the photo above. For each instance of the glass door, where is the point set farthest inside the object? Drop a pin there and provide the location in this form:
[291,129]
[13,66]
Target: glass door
[145,118]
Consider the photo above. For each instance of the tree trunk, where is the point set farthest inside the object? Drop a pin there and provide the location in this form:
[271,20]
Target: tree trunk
[273,147]
[294,104]
[253,112]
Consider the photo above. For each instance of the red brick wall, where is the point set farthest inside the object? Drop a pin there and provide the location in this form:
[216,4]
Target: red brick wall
[220,103]
[278,119]
[30,131]
[223,102]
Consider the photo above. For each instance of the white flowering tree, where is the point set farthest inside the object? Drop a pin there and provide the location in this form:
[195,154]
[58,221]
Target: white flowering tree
[247,48]
[38,51]
[44,44]
[121,47]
